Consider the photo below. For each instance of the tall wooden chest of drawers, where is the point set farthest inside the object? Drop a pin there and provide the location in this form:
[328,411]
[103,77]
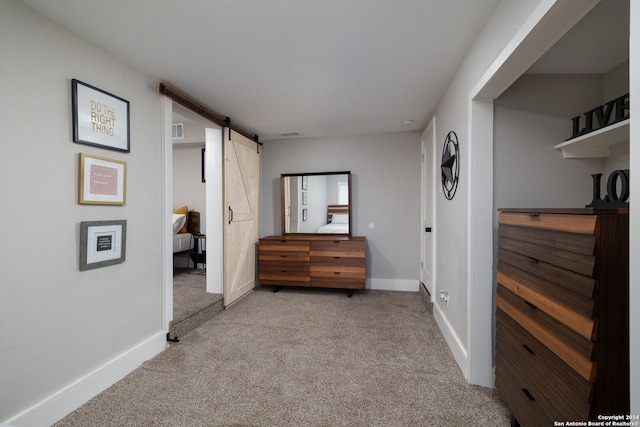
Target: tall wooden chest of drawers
[562,318]
[315,261]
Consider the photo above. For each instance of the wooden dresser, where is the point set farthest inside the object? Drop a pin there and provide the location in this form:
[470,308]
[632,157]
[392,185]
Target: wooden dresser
[315,261]
[562,320]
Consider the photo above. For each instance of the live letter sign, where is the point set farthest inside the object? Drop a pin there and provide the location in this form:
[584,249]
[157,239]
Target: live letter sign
[602,115]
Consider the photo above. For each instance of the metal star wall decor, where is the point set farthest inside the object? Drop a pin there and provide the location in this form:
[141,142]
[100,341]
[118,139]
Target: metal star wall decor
[450,165]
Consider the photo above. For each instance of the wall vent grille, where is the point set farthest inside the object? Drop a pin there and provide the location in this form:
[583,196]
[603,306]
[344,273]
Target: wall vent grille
[177,131]
[289,134]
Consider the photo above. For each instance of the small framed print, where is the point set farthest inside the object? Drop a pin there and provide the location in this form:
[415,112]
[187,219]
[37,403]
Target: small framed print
[202,155]
[99,118]
[102,243]
[102,181]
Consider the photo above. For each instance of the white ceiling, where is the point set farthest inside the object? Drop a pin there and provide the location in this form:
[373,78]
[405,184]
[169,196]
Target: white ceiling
[320,68]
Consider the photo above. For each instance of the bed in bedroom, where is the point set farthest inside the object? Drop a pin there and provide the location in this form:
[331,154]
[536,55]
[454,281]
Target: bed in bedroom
[185,225]
[337,220]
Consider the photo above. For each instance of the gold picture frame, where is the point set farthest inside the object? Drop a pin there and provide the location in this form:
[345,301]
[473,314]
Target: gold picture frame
[101,181]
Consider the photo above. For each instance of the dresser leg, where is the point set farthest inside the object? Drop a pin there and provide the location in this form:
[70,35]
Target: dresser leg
[514,422]
[276,289]
[349,293]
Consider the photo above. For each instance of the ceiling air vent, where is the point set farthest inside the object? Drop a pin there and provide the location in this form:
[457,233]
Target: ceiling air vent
[177,131]
[289,134]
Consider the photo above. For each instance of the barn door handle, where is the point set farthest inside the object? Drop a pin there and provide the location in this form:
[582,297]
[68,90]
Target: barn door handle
[230,214]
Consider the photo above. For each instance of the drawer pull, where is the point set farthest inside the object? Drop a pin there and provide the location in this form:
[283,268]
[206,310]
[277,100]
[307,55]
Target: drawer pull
[283,241]
[526,347]
[336,272]
[283,256]
[336,242]
[528,394]
[533,214]
[283,271]
[531,260]
[531,306]
[336,257]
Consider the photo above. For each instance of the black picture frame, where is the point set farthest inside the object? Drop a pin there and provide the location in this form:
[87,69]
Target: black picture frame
[202,163]
[100,118]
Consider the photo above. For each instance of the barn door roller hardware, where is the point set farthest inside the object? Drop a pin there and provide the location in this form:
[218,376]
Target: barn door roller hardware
[189,103]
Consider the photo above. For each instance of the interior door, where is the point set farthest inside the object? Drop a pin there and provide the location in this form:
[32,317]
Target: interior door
[241,199]
[428,208]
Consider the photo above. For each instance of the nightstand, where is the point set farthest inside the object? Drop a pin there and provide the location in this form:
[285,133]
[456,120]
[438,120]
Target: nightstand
[198,253]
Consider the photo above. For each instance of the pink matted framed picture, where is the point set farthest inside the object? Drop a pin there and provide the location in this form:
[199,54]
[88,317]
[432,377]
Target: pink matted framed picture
[102,181]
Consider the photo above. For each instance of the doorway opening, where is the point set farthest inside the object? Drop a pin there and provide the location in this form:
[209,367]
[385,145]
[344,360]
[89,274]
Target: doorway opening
[428,217]
[192,299]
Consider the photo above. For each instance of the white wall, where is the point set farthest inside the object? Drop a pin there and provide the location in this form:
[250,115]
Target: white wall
[452,215]
[60,325]
[532,116]
[616,84]
[385,185]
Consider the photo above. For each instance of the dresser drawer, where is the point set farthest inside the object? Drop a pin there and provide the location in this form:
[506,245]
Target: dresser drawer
[527,276]
[572,242]
[558,279]
[581,224]
[338,281]
[519,399]
[284,245]
[557,387]
[575,313]
[572,261]
[284,266]
[338,271]
[568,345]
[285,279]
[338,248]
[283,256]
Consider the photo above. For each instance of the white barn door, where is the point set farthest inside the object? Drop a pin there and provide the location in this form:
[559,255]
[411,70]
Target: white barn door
[241,200]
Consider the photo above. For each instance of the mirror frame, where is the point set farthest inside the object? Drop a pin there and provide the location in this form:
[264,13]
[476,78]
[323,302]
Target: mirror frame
[283,207]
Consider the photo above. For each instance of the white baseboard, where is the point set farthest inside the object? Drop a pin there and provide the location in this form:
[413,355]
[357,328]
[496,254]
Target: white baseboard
[393,285]
[66,400]
[453,341]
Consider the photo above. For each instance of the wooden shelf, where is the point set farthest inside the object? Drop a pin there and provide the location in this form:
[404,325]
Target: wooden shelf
[595,144]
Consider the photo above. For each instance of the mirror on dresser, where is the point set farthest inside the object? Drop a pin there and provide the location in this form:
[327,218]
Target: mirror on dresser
[316,203]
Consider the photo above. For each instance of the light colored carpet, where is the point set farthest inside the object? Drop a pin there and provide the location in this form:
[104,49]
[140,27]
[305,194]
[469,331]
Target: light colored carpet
[192,305]
[189,292]
[302,358]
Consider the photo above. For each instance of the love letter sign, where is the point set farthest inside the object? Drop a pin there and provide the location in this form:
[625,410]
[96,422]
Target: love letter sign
[617,190]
